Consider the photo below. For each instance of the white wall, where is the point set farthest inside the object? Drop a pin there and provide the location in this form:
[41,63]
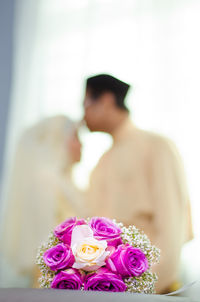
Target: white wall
[6,49]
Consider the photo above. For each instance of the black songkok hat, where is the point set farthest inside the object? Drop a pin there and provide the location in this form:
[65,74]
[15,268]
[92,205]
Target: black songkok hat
[106,83]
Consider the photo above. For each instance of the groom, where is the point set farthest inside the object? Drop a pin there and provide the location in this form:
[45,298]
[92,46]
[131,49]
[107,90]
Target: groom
[140,180]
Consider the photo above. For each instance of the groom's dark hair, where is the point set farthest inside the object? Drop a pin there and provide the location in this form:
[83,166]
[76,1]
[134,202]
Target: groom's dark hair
[101,83]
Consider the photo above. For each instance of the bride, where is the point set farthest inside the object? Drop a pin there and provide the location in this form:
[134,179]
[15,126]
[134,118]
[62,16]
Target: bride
[41,195]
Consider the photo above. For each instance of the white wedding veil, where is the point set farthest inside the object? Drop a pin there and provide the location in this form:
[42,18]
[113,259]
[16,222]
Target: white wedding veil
[40,165]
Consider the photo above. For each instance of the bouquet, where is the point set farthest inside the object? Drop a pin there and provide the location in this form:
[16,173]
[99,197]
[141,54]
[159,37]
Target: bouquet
[97,254]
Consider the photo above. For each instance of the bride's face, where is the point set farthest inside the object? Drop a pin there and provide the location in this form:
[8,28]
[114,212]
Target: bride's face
[74,147]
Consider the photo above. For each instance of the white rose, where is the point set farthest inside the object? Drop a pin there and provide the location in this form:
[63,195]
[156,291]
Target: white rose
[89,253]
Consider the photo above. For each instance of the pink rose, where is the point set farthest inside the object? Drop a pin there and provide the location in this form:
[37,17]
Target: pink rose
[68,279]
[59,257]
[127,261]
[106,229]
[64,230]
[104,280]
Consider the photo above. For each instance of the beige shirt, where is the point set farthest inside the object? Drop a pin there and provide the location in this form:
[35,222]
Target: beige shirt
[140,181]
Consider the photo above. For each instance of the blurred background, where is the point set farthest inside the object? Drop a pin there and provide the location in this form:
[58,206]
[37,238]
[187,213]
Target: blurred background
[48,48]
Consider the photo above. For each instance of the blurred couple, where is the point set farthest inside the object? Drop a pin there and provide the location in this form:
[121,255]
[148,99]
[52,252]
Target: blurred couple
[139,181]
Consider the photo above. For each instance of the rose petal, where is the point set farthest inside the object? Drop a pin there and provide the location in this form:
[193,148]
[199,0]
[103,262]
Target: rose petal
[79,233]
